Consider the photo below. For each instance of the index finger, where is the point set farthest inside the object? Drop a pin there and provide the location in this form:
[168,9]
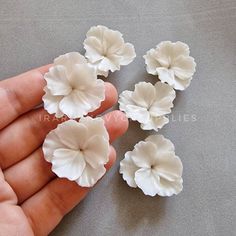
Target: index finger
[20,94]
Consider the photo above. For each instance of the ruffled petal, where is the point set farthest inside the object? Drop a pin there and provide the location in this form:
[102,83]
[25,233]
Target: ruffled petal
[107,64]
[68,163]
[72,134]
[57,81]
[51,143]
[144,94]
[95,126]
[168,166]
[162,144]
[82,77]
[68,60]
[112,42]
[154,123]
[147,181]
[75,105]
[184,67]
[168,188]
[151,62]
[130,108]
[127,54]
[166,75]
[51,103]
[96,31]
[128,169]
[96,151]
[180,48]
[163,103]
[180,84]
[90,176]
[94,49]
[143,153]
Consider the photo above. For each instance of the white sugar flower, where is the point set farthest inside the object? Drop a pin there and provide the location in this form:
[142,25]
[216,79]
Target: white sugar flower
[72,87]
[153,167]
[78,151]
[106,50]
[148,104]
[172,63]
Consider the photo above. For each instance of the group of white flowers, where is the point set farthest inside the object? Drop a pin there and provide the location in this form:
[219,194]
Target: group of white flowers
[78,150]
[152,165]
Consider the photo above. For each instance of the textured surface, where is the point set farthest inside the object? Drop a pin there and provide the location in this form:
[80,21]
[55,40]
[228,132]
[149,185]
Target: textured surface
[202,124]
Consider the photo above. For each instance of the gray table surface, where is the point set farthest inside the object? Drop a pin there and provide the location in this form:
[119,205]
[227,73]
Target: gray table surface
[33,33]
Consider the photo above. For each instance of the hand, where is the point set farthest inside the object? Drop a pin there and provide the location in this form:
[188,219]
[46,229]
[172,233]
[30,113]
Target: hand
[32,199]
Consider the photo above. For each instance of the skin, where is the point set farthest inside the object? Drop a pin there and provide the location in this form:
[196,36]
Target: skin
[32,199]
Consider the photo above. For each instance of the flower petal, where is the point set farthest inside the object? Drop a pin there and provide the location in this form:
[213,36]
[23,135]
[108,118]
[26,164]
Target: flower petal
[168,166]
[106,64]
[128,169]
[82,77]
[51,143]
[184,67]
[144,94]
[51,103]
[95,126]
[127,54]
[96,31]
[180,48]
[143,154]
[96,151]
[68,163]
[72,134]
[168,188]
[90,176]
[147,181]
[69,60]
[166,75]
[131,109]
[112,41]
[163,103]
[75,105]
[151,62]
[162,144]
[155,123]
[180,84]
[94,49]
[57,80]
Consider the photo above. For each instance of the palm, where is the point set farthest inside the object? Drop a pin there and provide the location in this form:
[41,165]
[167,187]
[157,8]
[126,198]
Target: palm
[13,219]
[32,199]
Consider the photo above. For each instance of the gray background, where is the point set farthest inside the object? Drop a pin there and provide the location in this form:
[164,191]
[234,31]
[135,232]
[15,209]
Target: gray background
[32,33]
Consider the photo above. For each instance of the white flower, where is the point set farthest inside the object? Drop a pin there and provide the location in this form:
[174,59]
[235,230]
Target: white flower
[153,167]
[78,150]
[106,50]
[148,104]
[172,63]
[72,87]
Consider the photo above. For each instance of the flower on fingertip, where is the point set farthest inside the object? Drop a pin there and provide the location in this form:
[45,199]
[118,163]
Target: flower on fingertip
[72,87]
[78,151]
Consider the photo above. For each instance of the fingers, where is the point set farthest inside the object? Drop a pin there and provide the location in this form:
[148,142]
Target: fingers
[116,124]
[20,94]
[46,208]
[29,175]
[28,131]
